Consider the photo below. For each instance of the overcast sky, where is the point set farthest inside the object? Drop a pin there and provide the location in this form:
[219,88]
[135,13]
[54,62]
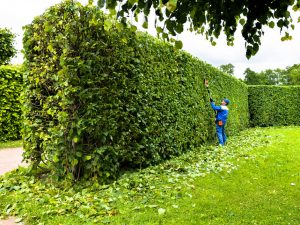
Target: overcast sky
[273,53]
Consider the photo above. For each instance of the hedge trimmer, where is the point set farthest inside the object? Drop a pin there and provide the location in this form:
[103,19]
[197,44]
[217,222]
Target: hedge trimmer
[206,85]
[208,91]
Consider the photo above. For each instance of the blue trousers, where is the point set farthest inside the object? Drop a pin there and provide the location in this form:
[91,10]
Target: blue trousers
[221,134]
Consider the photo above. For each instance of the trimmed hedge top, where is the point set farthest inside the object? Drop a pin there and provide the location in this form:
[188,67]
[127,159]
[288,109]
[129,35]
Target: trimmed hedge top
[101,98]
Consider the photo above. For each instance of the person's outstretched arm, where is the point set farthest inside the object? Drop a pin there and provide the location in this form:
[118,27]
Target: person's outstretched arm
[215,107]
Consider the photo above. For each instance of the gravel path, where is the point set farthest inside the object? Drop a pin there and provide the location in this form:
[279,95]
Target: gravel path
[10,159]
[10,221]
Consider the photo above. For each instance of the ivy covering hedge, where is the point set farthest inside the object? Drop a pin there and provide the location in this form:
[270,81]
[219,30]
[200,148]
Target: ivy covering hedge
[10,107]
[101,98]
[274,105]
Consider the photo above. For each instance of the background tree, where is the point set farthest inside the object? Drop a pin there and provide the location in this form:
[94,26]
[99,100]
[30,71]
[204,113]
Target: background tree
[288,76]
[283,79]
[7,50]
[273,77]
[253,78]
[210,17]
[227,68]
[293,75]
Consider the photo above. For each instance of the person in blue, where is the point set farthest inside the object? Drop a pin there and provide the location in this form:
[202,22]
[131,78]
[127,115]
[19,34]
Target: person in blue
[221,119]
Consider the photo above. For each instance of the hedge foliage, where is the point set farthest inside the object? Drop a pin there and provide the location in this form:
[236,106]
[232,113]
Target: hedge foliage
[274,105]
[11,81]
[101,97]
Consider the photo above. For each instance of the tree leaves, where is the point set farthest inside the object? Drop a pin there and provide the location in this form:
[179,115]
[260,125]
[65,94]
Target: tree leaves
[210,18]
[101,3]
[171,5]
[178,44]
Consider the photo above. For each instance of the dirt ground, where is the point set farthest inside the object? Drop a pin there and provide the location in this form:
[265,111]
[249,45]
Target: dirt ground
[10,159]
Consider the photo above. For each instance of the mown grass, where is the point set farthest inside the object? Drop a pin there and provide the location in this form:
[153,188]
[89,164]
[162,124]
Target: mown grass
[253,180]
[264,190]
[11,144]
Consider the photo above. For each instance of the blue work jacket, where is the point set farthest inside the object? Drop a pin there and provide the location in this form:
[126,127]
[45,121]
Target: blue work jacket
[222,112]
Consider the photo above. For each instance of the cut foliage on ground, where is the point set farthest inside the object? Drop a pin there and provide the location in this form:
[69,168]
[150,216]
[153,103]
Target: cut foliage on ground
[255,179]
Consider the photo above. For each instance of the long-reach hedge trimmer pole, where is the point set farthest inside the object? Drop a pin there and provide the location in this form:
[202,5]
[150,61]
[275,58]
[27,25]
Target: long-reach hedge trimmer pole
[206,85]
[209,93]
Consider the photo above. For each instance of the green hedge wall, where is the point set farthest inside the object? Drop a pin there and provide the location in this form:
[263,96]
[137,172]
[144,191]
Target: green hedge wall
[11,80]
[101,98]
[274,105]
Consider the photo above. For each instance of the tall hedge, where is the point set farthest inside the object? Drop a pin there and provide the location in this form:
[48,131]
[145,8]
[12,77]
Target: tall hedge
[11,80]
[101,98]
[274,105]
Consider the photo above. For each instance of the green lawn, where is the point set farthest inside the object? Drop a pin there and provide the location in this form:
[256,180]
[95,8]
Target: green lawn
[253,180]
[264,190]
[11,144]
